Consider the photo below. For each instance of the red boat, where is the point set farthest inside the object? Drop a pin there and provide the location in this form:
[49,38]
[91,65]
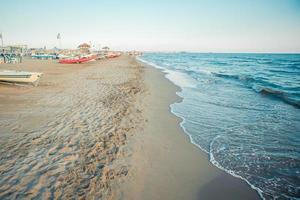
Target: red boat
[78,59]
[112,55]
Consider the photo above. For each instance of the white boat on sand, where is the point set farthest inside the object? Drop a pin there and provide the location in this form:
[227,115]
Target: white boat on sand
[20,77]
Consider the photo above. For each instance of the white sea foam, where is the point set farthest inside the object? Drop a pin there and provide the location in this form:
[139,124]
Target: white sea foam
[231,172]
[211,156]
[178,78]
[149,63]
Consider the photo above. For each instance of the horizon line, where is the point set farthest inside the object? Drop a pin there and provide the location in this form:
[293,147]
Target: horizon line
[174,51]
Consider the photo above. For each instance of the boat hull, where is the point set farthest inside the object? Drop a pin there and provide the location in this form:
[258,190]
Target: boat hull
[78,60]
[31,78]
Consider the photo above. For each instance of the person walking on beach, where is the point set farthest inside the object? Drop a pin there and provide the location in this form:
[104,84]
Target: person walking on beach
[19,56]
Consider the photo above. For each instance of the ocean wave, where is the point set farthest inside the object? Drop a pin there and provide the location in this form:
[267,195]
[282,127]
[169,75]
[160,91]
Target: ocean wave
[287,72]
[266,88]
[247,80]
[278,94]
[234,76]
[197,71]
[214,62]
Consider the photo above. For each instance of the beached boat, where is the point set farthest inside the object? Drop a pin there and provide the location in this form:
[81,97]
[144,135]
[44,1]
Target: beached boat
[44,56]
[80,59]
[112,55]
[20,77]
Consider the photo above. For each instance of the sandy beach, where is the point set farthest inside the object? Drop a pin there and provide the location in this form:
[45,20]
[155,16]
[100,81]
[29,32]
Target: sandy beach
[165,164]
[101,130]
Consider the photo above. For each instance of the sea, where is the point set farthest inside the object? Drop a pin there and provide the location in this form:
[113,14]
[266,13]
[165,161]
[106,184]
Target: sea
[243,110]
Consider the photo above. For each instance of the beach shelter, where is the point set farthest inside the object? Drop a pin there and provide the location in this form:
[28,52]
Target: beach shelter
[84,48]
[106,48]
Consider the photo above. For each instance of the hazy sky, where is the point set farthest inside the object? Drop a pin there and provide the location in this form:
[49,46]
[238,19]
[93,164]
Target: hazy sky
[163,25]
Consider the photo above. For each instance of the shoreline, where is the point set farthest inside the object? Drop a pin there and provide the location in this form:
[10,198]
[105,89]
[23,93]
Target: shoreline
[102,130]
[189,137]
[165,136]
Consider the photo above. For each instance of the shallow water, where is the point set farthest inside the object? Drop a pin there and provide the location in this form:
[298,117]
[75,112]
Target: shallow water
[244,111]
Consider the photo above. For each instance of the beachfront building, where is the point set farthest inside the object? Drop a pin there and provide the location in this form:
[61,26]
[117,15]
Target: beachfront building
[12,53]
[17,49]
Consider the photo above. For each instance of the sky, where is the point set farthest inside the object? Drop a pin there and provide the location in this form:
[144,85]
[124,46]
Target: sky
[156,25]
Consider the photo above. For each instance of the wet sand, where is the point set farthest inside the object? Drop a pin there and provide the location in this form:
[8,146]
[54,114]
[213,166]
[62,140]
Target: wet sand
[101,130]
[165,164]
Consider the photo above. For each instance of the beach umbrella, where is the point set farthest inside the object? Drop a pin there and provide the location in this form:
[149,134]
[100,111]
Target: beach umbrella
[84,46]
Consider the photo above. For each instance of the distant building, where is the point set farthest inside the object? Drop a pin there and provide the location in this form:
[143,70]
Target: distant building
[15,49]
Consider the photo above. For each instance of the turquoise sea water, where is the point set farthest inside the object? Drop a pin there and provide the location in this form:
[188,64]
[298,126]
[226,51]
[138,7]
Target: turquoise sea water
[243,110]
